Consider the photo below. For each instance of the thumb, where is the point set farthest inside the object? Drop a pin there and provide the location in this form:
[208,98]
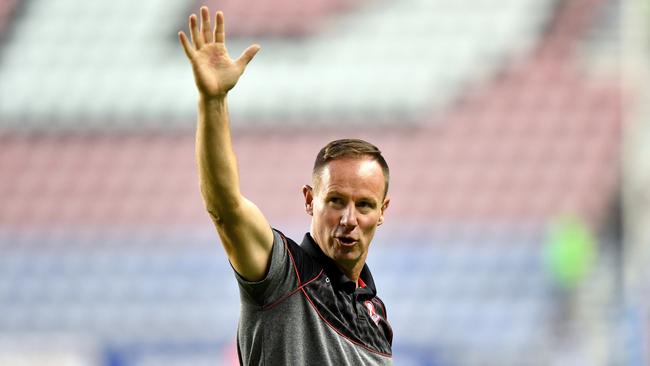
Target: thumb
[248,55]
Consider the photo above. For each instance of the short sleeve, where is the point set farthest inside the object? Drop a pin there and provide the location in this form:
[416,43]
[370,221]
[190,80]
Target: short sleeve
[280,278]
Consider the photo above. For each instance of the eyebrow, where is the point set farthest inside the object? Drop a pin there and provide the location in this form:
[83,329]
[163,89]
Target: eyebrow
[333,193]
[362,198]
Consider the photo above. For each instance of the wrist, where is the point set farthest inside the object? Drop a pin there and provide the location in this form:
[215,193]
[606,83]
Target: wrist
[210,99]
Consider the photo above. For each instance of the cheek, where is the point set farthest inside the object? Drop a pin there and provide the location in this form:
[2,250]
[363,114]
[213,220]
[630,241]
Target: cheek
[332,217]
[369,224]
[325,216]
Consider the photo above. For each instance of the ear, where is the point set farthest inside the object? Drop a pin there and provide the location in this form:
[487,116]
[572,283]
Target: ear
[308,193]
[384,206]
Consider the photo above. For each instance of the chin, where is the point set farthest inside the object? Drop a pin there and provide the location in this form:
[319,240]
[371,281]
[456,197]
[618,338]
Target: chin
[347,256]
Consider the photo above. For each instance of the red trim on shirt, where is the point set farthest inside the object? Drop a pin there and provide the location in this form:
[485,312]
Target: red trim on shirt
[360,283]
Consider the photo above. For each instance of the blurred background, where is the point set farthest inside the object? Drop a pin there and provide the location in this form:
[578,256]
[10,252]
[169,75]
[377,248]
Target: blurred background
[516,131]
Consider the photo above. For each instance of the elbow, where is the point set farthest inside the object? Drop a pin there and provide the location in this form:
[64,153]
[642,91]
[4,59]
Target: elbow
[224,205]
[215,215]
[223,211]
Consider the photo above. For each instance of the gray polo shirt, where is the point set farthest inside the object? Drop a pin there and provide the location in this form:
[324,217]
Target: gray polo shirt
[307,312]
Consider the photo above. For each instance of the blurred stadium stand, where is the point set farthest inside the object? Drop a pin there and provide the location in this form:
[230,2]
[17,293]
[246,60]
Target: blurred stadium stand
[279,17]
[358,68]
[7,8]
[636,160]
[496,118]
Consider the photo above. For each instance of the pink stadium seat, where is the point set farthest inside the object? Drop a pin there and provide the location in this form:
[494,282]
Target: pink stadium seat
[530,159]
[7,8]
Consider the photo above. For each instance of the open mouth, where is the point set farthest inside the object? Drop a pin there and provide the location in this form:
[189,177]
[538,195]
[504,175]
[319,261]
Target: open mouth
[346,241]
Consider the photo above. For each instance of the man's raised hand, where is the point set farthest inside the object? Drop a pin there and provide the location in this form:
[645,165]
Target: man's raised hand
[215,73]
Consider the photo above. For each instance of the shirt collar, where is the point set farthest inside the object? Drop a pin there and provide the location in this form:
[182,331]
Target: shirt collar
[338,278]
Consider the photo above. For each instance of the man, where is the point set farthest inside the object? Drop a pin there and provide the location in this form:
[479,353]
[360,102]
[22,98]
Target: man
[309,304]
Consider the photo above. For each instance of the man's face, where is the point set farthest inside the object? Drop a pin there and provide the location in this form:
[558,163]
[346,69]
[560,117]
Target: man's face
[347,204]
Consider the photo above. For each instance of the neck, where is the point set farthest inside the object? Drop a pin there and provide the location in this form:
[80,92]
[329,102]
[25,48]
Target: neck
[352,273]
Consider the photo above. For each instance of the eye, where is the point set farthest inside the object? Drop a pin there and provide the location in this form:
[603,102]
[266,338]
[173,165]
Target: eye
[366,205]
[335,201]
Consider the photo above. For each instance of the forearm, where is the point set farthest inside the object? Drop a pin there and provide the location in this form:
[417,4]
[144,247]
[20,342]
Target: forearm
[243,229]
[216,160]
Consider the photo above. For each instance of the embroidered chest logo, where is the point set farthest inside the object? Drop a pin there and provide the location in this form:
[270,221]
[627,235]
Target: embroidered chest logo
[371,310]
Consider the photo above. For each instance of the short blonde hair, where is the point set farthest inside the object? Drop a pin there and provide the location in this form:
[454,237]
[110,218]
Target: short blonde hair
[343,148]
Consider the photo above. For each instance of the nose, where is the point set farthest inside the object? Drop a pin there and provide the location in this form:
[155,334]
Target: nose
[349,216]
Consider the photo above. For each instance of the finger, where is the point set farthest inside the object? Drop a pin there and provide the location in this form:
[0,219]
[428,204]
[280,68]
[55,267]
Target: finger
[206,29]
[248,55]
[187,47]
[219,28]
[197,39]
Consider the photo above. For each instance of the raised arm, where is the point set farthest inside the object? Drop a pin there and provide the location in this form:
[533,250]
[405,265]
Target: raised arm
[244,232]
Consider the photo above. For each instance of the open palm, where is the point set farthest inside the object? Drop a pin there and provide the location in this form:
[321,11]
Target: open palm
[215,73]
